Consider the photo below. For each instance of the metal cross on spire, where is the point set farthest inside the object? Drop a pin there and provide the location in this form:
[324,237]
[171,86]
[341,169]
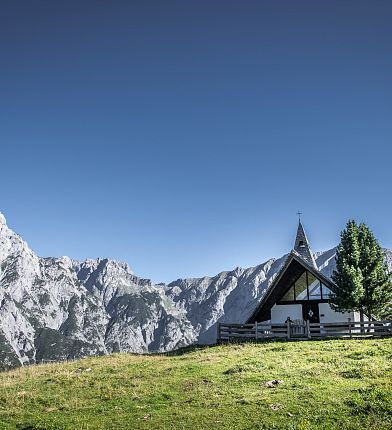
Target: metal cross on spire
[299,216]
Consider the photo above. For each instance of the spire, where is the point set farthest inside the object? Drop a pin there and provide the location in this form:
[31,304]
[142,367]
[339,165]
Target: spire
[302,245]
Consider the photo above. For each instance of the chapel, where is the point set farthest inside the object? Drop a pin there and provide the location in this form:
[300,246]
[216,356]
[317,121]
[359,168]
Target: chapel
[299,291]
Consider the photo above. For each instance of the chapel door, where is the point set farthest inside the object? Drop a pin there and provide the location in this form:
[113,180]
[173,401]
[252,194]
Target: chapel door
[310,311]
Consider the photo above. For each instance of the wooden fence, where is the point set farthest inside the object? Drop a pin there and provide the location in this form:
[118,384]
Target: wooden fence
[302,330]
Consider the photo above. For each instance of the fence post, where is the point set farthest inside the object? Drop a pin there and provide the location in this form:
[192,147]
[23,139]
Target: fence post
[349,327]
[308,328]
[257,331]
[217,332]
[288,328]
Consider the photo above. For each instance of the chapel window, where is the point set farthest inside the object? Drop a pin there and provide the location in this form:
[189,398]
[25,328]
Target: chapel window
[301,290]
[290,295]
[314,287]
[326,292]
[306,287]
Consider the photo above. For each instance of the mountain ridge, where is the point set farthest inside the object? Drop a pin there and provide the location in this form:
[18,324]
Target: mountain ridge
[61,308]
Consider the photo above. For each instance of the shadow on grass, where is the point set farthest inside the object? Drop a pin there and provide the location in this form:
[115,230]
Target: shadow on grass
[187,350]
[193,348]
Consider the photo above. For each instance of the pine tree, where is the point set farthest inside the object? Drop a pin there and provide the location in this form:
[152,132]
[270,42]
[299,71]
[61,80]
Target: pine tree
[361,275]
[347,277]
[377,284]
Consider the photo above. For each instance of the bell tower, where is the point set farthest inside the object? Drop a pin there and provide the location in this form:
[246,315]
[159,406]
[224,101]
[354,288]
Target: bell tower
[302,246]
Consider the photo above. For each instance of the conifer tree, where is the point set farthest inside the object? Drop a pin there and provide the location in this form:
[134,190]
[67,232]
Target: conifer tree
[377,286]
[361,275]
[347,276]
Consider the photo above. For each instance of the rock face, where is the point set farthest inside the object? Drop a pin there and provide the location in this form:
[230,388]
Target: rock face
[59,308]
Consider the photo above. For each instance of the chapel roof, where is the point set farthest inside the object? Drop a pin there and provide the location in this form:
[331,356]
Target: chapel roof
[300,259]
[302,247]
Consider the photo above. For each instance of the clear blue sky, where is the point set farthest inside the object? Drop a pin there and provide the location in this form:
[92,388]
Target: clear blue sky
[183,136]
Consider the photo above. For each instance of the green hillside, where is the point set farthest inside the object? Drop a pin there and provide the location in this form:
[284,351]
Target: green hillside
[342,384]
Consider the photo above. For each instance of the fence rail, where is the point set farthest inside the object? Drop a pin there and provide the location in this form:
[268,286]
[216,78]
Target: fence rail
[302,330]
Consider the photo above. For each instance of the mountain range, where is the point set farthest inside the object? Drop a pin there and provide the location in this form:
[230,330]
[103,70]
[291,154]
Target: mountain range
[63,309]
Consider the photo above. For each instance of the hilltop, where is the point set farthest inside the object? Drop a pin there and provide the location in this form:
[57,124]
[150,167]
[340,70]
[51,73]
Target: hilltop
[334,384]
[62,309]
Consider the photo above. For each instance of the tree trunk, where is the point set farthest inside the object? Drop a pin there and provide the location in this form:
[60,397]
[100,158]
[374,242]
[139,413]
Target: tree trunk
[369,313]
[362,320]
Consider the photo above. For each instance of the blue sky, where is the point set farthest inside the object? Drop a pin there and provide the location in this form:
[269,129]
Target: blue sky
[183,137]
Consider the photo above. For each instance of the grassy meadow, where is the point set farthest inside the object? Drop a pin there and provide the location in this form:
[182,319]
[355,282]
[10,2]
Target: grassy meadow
[328,384]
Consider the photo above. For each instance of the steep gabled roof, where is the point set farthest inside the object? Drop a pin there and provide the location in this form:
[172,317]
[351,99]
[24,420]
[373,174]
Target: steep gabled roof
[302,246]
[296,263]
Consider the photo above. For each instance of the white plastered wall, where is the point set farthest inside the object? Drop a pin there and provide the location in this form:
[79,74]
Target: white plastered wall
[279,313]
[328,315]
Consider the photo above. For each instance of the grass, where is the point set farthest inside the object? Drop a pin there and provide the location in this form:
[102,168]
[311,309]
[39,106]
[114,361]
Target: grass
[330,384]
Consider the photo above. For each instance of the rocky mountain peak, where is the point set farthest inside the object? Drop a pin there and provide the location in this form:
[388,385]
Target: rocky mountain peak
[3,221]
[60,308]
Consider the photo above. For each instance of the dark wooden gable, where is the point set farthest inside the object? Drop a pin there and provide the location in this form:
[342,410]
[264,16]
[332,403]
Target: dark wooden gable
[290,272]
